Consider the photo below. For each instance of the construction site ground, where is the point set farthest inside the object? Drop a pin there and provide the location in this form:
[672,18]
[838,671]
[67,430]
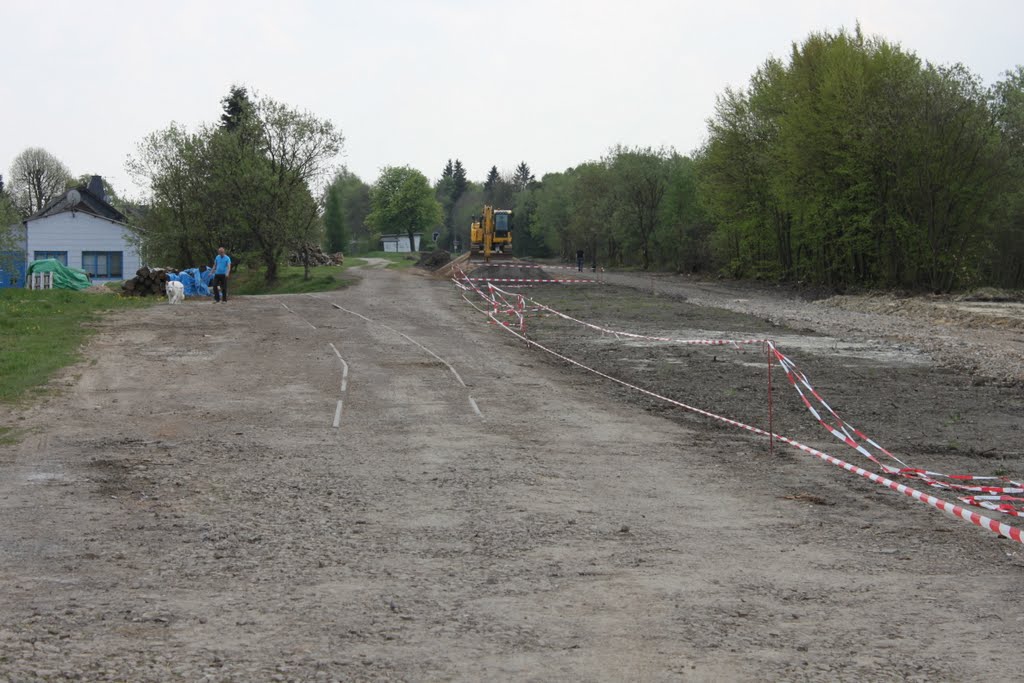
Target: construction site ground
[182,507]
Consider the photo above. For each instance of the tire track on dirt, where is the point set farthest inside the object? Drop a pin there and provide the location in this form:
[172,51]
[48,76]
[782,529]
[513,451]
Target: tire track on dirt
[336,423]
[455,373]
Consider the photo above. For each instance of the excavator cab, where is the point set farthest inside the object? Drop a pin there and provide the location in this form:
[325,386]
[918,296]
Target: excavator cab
[502,225]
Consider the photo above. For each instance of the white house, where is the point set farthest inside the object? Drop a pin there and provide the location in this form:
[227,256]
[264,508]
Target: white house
[399,243]
[82,230]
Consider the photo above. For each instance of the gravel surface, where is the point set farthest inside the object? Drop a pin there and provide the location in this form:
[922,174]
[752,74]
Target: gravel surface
[180,507]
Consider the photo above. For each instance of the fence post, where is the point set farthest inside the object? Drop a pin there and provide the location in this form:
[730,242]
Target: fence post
[771,430]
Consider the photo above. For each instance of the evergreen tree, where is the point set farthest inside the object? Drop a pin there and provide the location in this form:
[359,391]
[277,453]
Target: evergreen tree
[334,220]
[8,219]
[459,182]
[522,177]
[346,204]
[236,106]
[492,179]
[449,190]
[444,191]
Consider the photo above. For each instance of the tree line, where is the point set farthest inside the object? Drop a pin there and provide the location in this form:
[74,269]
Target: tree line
[850,163]
[855,163]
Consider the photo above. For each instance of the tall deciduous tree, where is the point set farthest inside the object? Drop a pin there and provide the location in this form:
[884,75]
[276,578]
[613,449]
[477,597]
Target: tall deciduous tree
[36,178]
[402,201]
[683,240]
[280,156]
[1005,262]
[640,180]
[854,163]
[181,225]
[552,215]
[594,208]
[251,188]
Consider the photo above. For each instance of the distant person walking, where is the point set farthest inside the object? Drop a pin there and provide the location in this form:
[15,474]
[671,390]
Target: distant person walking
[579,260]
[221,271]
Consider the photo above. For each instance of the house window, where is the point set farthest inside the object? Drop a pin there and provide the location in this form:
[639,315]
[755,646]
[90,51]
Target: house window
[102,264]
[61,256]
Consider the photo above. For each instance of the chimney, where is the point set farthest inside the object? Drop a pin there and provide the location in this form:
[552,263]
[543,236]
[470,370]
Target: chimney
[96,187]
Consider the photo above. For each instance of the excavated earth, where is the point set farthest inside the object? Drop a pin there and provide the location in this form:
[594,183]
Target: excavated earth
[181,506]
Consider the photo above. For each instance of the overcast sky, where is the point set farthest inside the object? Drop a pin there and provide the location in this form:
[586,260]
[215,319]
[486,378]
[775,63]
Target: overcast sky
[552,83]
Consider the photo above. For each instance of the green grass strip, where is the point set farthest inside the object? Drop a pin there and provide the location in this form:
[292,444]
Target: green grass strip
[43,331]
[290,280]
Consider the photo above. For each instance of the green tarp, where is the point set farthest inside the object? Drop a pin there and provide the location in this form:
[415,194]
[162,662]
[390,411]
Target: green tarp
[63,276]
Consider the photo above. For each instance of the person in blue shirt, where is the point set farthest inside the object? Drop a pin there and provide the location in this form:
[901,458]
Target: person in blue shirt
[221,271]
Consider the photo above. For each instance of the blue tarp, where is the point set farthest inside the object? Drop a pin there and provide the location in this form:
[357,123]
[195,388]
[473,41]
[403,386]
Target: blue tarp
[196,283]
[12,269]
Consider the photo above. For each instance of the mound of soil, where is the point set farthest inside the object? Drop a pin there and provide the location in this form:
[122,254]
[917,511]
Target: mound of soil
[432,260]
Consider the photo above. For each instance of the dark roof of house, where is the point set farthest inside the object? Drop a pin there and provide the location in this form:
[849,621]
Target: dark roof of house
[91,200]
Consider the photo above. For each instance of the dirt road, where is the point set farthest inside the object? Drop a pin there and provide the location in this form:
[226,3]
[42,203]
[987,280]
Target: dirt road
[185,509]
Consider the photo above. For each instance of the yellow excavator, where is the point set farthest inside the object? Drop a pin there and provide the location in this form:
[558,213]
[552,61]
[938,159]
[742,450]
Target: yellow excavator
[491,233]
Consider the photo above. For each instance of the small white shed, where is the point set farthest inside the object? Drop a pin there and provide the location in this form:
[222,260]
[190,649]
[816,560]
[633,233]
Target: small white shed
[82,230]
[399,243]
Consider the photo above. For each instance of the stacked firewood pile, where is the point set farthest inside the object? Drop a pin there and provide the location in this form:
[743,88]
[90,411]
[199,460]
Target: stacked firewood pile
[147,281]
[313,255]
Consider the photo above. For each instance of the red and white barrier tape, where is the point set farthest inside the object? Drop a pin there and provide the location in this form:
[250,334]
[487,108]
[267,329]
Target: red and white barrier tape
[1011,532]
[533,265]
[631,335]
[842,432]
[989,502]
[527,279]
[849,435]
